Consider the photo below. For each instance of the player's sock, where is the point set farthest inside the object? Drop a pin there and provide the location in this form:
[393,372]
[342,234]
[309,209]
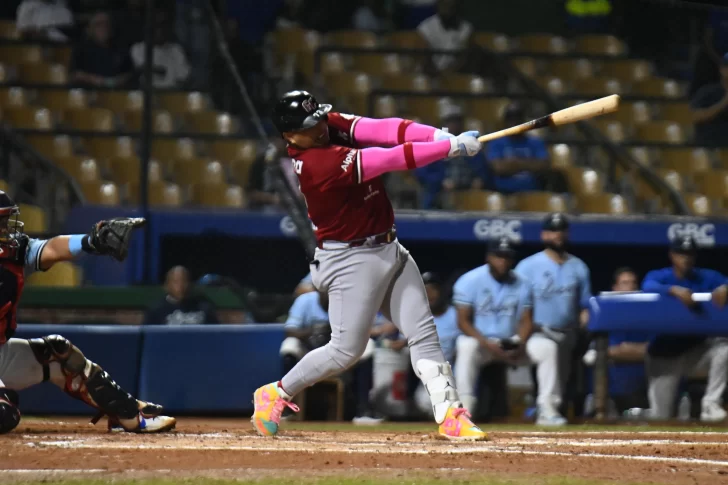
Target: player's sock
[282,392]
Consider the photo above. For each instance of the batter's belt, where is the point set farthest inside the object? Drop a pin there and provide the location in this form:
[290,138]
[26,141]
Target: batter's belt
[383,238]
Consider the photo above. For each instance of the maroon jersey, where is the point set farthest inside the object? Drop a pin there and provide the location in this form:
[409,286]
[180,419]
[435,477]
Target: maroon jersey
[12,280]
[341,207]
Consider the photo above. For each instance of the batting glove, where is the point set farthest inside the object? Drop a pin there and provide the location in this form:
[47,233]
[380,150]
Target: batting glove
[442,135]
[465,144]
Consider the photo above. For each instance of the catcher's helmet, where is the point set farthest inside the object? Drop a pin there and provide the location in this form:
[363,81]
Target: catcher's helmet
[298,110]
[10,226]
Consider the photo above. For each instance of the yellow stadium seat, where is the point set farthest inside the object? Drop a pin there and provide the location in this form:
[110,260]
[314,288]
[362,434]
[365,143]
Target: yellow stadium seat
[643,155]
[606,45]
[465,83]
[552,85]
[240,171]
[492,41]
[722,156]
[426,109]
[527,65]
[104,148]
[101,192]
[474,124]
[657,87]
[570,69]
[598,87]
[685,160]
[660,132]
[61,54]
[406,82]
[12,97]
[677,112]
[331,62]
[376,64]
[194,170]
[63,274]
[4,186]
[673,178]
[191,102]
[614,130]
[539,202]
[714,184]
[6,73]
[487,109]
[174,149]
[128,170]
[8,30]
[43,73]
[349,83]
[83,169]
[119,101]
[407,39]
[211,122]
[542,44]
[34,219]
[51,146]
[21,54]
[352,38]
[63,100]
[699,204]
[628,70]
[584,181]
[90,119]
[29,118]
[602,204]
[229,150]
[385,107]
[561,155]
[479,200]
[219,195]
[288,41]
[630,113]
[162,121]
[160,193]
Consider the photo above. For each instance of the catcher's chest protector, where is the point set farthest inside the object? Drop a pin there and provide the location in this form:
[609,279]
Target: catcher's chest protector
[12,265]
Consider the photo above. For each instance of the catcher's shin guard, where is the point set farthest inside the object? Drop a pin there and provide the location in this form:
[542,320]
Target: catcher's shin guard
[88,382]
[9,412]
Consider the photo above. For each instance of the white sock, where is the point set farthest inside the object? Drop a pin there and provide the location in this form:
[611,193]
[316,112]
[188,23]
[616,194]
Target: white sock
[282,392]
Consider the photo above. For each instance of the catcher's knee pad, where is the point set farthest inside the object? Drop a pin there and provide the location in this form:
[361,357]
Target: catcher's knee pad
[85,380]
[9,412]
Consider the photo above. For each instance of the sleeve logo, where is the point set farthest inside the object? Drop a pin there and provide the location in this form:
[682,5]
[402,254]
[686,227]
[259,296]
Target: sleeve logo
[309,105]
[347,161]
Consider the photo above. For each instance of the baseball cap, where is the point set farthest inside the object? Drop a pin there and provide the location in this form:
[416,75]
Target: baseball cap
[555,221]
[501,246]
[683,245]
[431,278]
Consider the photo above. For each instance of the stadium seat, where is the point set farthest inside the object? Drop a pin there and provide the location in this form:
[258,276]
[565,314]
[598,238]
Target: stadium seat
[465,83]
[487,109]
[349,84]
[604,45]
[120,101]
[219,195]
[162,121]
[427,109]
[602,204]
[240,171]
[527,65]
[7,73]
[657,87]
[29,118]
[643,155]
[555,86]
[331,62]
[714,184]
[479,200]
[51,146]
[211,122]
[34,218]
[101,192]
[43,73]
[687,161]
[596,86]
[8,30]
[614,130]
[229,150]
[191,102]
[128,170]
[406,39]
[352,38]
[722,156]
[83,169]
[542,44]
[570,69]
[174,149]
[63,274]
[21,54]
[493,41]
[104,148]
[90,119]
[406,82]
[61,54]
[12,97]
[628,70]
[699,204]
[672,178]
[539,202]
[304,54]
[288,41]
[385,107]
[4,186]
[660,132]
[630,113]
[377,64]
[159,193]
[561,155]
[62,100]
[196,170]
[677,112]
[584,181]
[474,124]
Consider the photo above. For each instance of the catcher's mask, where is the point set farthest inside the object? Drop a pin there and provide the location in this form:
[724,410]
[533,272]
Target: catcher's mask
[10,226]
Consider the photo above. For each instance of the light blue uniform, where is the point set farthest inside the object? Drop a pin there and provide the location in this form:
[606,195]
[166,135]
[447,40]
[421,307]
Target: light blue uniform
[306,312]
[497,307]
[448,331]
[32,255]
[560,291]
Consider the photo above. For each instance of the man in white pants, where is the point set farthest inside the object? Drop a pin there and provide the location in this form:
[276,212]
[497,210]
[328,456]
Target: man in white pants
[494,313]
[561,291]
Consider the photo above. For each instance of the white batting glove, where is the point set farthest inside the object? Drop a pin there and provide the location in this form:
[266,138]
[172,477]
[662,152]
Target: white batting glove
[442,135]
[465,144]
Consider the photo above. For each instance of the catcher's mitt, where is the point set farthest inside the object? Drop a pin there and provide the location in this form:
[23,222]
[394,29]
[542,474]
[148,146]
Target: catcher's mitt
[112,237]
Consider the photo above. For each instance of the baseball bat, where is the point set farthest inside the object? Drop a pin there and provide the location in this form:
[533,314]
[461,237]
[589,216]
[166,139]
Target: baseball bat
[583,111]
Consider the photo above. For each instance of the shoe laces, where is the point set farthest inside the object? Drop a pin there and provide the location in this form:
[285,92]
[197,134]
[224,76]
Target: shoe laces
[278,408]
[457,413]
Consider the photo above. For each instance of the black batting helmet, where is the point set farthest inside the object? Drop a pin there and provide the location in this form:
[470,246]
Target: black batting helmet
[10,226]
[298,110]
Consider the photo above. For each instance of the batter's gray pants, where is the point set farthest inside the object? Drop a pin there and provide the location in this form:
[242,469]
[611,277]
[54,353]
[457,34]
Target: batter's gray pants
[360,282]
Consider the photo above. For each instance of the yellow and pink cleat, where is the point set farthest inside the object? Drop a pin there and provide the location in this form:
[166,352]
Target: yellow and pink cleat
[457,426]
[269,405]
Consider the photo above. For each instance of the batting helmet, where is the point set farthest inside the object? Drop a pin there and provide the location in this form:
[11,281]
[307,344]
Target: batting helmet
[298,110]
[9,412]
[10,226]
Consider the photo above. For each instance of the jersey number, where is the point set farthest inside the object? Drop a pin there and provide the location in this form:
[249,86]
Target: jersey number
[298,166]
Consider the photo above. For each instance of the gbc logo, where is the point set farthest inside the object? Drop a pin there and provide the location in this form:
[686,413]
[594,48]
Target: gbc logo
[347,161]
[288,227]
[494,228]
[703,234]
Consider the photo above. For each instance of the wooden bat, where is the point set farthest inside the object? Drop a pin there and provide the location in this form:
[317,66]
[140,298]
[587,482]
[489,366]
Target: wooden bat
[583,111]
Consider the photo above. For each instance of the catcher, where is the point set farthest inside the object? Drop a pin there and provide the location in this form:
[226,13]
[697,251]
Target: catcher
[24,363]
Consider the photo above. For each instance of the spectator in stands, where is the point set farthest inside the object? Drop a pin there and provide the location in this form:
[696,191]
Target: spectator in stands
[670,357]
[710,110]
[459,173]
[520,163]
[304,286]
[447,30]
[308,328]
[96,61]
[180,306]
[372,15]
[44,20]
[709,57]
[261,187]
[170,67]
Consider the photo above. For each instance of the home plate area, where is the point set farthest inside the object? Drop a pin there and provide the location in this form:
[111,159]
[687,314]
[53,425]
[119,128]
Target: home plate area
[217,447]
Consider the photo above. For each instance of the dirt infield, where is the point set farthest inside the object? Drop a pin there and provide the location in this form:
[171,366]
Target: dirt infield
[220,447]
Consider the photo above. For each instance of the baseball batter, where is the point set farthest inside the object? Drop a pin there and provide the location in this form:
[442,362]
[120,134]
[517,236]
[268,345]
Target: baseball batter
[25,363]
[359,261]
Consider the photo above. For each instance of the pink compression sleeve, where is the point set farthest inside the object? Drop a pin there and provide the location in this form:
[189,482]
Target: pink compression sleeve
[390,131]
[378,161]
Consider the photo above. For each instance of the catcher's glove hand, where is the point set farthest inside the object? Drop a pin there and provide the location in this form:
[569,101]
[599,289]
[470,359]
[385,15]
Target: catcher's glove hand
[112,237]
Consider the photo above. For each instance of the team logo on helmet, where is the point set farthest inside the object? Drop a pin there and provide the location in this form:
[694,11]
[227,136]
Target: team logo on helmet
[308,104]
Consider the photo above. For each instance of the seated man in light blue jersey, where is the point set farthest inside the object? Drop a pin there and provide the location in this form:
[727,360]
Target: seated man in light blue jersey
[494,314]
[304,286]
[560,283]
[307,328]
